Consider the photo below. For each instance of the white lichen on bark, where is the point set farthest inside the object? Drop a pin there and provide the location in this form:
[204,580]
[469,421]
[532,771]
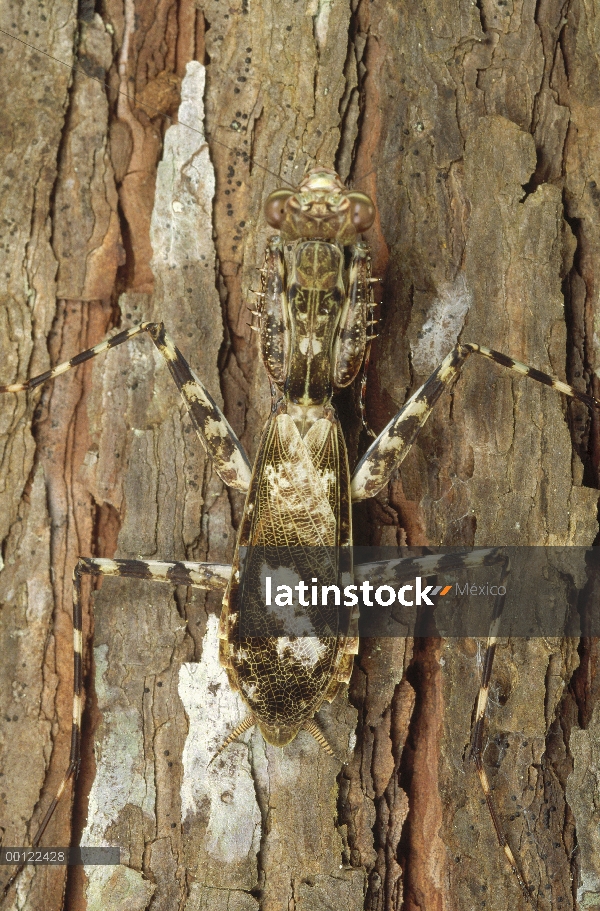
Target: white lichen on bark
[181,228]
[213,710]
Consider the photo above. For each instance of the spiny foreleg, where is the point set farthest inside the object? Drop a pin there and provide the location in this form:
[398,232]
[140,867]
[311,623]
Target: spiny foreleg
[354,331]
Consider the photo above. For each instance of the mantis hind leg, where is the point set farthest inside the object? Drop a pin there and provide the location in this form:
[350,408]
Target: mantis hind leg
[211,576]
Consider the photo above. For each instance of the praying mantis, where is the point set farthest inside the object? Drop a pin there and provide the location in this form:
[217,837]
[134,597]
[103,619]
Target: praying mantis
[173,325]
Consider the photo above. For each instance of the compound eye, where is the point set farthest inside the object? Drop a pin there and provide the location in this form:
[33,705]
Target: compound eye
[275,207]
[362,211]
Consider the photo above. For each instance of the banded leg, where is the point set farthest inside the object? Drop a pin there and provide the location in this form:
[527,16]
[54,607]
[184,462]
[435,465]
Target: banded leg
[220,442]
[392,572]
[476,752]
[393,443]
[389,572]
[210,576]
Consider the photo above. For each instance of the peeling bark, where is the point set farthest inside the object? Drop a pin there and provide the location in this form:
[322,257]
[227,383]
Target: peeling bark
[474,129]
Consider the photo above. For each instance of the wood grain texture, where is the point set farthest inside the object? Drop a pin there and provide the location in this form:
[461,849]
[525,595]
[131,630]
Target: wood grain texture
[474,129]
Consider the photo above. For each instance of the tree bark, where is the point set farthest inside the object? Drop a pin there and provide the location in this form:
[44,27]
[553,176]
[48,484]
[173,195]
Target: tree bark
[473,127]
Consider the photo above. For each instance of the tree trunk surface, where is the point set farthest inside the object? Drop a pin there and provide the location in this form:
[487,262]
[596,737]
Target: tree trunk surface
[474,129]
